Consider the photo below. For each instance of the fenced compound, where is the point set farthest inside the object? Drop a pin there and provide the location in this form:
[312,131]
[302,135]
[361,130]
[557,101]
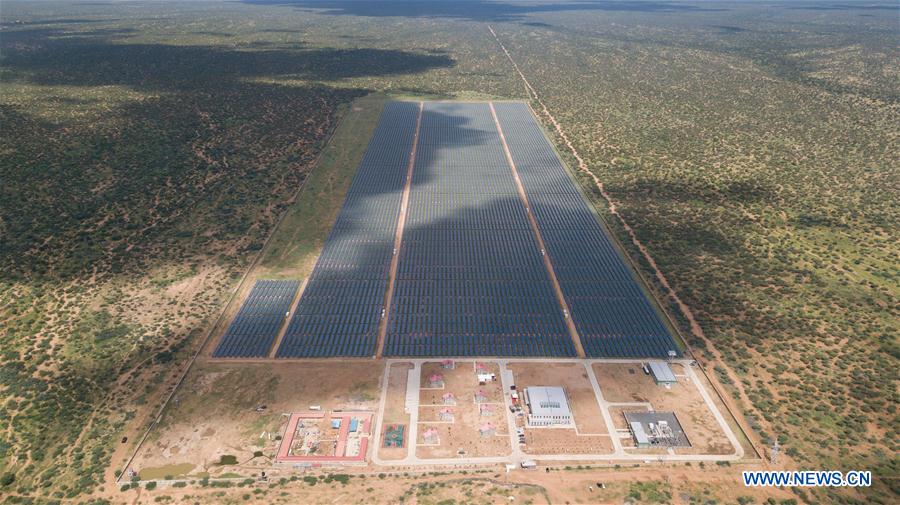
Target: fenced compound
[258,321]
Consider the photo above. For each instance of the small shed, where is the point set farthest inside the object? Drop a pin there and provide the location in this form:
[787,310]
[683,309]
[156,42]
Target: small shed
[449,399]
[487,430]
[436,381]
[431,437]
[662,373]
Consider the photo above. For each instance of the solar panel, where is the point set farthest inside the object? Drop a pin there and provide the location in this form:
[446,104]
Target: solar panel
[340,309]
[471,280]
[612,314]
[258,321]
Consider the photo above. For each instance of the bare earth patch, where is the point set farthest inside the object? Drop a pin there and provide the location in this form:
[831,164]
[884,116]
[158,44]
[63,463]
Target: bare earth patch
[215,414]
[468,415]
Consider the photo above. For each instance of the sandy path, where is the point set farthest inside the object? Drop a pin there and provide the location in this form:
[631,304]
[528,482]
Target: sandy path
[696,330]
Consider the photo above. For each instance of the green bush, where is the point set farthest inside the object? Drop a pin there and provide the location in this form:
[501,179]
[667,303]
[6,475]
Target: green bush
[228,459]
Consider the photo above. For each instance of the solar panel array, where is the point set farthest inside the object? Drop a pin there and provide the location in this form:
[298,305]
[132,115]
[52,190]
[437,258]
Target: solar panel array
[471,280]
[613,316]
[339,312]
[258,321]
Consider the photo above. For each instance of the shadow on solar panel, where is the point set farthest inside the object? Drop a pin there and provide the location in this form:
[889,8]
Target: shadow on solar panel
[254,328]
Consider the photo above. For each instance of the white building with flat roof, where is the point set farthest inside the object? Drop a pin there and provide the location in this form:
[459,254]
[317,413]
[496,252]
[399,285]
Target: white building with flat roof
[547,406]
[662,373]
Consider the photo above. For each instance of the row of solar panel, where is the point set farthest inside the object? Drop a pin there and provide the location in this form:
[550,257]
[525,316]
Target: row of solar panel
[613,316]
[467,274]
[460,305]
[499,215]
[465,254]
[257,323]
[489,184]
[441,156]
[335,317]
[462,136]
[504,288]
[530,345]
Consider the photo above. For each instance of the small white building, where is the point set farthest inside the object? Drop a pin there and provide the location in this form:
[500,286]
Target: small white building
[486,377]
[548,406]
[446,415]
[436,381]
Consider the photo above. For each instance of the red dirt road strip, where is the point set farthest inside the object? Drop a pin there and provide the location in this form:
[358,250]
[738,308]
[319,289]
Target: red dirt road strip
[696,330]
[398,238]
[573,332]
[365,427]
